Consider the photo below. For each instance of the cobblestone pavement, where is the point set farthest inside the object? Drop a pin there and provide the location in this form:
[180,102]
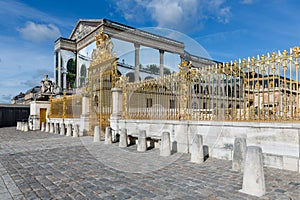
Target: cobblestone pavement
[39,165]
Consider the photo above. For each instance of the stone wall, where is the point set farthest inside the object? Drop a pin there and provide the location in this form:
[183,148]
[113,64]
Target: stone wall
[279,141]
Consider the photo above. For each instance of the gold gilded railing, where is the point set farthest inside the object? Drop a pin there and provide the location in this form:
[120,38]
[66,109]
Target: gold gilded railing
[66,106]
[263,88]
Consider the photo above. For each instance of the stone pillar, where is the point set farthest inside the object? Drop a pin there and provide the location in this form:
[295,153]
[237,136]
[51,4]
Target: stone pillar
[108,135]
[97,131]
[123,138]
[62,129]
[51,127]
[69,130]
[56,128]
[253,178]
[59,70]
[136,62]
[26,127]
[47,129]
[142,143]
[165,146]
[239,153]
[197,155]
[84,117]
[43,126]
[64,73]
[161,62]
[116,103]
[75,130]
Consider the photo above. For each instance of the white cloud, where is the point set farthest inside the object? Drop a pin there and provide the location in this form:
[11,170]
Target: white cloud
[39,32]
[183,15]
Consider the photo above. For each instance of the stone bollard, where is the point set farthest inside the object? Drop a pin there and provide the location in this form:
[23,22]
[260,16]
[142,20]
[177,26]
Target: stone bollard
[165,146]
[62,129]
[43,126]
[47,129]
[253,178]
[108,135]
[26,127]
[75,130]
[142,142]
[97,134]
[239,154]
[22,126]
[18,126]
[51,127]
[197,154]
[56,128]
[69,130]
[123,138]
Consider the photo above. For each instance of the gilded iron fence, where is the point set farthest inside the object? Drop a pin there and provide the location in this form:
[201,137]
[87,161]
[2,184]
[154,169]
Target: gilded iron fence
[264,88]
[66,106]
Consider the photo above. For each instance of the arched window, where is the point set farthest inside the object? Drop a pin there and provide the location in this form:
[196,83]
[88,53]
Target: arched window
[71,73]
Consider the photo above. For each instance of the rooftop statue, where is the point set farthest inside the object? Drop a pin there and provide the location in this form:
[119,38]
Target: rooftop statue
[47,85]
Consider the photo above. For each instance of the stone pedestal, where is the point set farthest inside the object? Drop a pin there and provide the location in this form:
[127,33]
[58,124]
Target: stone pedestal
[123,138]
[47,128]
[43,126]
[253,178]
[97,134]
[51,127]
[197,155]
[165,146]
[69,130]
[56,128]
[26,127]
[75,130]
[239,154]
[108,136]
[142,143]
[62,129]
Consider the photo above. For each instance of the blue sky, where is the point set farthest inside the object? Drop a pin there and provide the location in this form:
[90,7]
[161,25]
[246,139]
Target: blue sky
[226,29]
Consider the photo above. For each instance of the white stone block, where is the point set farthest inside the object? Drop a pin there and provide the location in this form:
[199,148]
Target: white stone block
[165,146]
[239,154]
[196,149]
[108,135]
[142,144]
[97,134]
[290,163]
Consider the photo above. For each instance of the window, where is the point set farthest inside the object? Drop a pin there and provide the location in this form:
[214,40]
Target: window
[148,103]
[172,103]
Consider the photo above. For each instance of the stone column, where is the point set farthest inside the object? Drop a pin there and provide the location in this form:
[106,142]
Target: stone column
[108,135]
[43,126]
[161,62]
[84,117]
[197,155]
[117,103]
[69,130]
[253,178]
[239,154]
[76,130]
[59,70]
[142,143]
[136,62]
[123,138]
[62,129]
[47,127]
[165,146]
[97,130]
[64,73]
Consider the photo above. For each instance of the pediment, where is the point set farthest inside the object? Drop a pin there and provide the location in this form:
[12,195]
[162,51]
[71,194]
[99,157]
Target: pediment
[83,28]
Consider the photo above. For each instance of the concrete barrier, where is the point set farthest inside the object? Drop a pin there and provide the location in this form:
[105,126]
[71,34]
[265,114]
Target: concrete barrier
[62,129]
[239,154]
[165,146]
[97,134]
[123,138]
[108,135]
[253,178]
[142,143]
[197,154]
